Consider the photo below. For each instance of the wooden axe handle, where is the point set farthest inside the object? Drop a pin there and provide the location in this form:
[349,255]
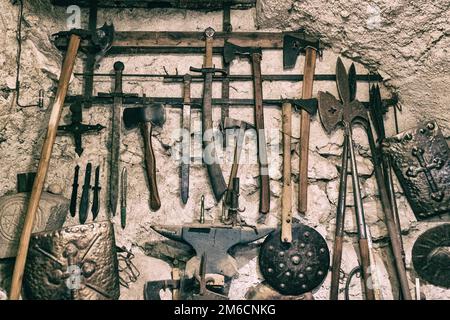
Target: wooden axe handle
[286,200]
[308,81]
[150,165]
[63,84]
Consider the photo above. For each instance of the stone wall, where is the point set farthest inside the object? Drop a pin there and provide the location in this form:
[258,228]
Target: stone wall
[407,45]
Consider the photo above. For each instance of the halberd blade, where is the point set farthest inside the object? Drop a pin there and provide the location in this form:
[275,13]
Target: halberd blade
[342,82]
[330,111]
[352,82]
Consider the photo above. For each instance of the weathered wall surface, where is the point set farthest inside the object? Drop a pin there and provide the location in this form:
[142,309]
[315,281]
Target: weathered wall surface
[407,41]
[409,48]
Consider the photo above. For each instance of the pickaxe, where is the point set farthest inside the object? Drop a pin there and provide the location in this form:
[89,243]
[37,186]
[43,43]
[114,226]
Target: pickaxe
[242,126]
[146,117]
[255,54]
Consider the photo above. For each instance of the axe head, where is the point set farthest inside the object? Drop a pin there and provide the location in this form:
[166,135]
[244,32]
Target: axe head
[230,123]
[231,50]
[155,114]
[295,44]
[330,111]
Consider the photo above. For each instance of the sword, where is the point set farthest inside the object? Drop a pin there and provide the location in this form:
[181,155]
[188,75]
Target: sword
[73,198]
[115,139]
[186,140]
[84,202]
[95,201]
[123,198]
[214,171]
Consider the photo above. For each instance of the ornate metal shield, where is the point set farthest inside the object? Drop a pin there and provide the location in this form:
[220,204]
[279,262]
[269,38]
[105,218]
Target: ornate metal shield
[298,267]
[51,215]
[431,256]
[421,162]
[75,263]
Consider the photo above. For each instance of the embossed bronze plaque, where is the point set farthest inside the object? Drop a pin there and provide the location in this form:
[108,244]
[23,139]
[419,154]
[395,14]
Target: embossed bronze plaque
[422,164]
[51,215]
[75,263]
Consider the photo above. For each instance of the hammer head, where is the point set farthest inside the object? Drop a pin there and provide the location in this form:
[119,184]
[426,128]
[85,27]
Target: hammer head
[230,123]
[155,114]
[231,50]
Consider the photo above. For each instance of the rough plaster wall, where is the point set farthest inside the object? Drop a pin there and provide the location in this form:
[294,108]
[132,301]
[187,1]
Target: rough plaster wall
[406,41]
[22,132]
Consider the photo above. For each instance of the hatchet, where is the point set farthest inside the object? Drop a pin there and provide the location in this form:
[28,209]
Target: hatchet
[145,118]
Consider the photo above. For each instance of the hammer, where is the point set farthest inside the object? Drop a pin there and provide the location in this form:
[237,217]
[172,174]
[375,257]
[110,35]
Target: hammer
[146,117]
[230,123]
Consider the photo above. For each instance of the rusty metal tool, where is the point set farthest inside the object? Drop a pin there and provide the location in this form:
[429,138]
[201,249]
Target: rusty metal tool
[145,118]
[255,56]
[210,156]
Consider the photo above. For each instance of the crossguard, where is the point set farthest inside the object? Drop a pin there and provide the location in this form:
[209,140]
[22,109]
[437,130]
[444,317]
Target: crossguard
[209,70]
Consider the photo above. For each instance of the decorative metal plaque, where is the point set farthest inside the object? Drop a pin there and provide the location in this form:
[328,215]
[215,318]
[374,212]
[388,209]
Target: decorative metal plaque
[51,215]
[75,263]
[422,164]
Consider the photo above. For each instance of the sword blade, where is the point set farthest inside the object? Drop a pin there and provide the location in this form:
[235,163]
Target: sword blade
[96,201]
[115,139]
[73,198]
[84,202]
[186,153]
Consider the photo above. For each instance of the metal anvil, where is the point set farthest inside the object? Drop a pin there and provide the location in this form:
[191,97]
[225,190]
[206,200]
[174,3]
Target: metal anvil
[214,242]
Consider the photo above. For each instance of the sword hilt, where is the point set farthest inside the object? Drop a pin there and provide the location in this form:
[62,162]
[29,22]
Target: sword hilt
[212,70]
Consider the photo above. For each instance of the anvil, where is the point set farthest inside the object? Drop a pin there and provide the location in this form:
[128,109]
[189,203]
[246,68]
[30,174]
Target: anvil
[214,241]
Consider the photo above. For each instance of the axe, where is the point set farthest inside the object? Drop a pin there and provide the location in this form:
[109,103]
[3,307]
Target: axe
[292,47]
[145,118]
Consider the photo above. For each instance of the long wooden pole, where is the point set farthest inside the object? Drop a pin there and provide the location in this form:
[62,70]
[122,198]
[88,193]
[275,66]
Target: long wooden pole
[66,72]
[286,199]
[308,81]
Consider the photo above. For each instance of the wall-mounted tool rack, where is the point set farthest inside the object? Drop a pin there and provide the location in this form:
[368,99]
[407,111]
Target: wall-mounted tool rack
[181,42]
[206,5]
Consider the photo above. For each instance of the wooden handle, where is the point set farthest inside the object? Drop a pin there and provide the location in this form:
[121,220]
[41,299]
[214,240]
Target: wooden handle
[209,51]
[187,89]
[308,81]
[63,84]
[286,200]
[336,268]
[233,174]
[340,219]
[150,165]
[366,272]
[264,204]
